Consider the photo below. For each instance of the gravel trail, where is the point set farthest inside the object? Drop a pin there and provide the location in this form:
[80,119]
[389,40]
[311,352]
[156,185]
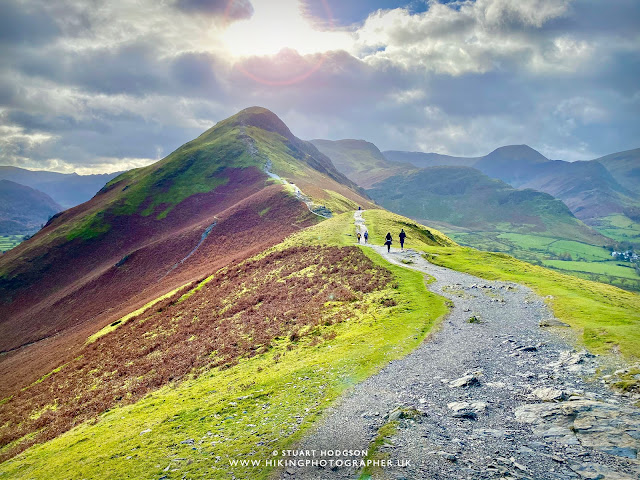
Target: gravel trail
[499,396]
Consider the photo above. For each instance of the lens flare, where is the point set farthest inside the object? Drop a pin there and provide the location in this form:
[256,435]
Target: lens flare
[278,26]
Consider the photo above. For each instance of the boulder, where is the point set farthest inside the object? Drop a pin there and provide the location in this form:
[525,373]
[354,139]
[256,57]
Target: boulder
[466,381]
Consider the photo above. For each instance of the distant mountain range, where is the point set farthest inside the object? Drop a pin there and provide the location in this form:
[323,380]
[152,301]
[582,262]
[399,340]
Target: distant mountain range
[465,197]
[591,189]
[67,189]
[455,194]
[23,210]
[564,215]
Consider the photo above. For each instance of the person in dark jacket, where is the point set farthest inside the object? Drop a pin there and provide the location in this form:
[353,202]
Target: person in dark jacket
[366,236]
[388,241]
[402,237]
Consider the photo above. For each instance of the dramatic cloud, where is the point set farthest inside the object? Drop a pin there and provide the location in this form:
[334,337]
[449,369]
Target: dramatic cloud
[233,9]
[112,85]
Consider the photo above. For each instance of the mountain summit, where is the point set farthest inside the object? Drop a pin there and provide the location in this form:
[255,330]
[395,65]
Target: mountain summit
[238,188]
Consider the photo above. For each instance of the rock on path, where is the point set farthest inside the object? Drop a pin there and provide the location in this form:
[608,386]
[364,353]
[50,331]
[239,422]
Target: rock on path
[498,397]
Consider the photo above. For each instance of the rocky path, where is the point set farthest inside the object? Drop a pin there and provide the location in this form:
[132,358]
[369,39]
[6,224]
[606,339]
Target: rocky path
[493,394]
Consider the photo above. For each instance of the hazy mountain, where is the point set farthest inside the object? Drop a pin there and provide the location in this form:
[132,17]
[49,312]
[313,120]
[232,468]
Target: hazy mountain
[68,190]
[588,188]
[424,160]
[23,210]
[359,160]
[590,191]
[625,168]
[514,164]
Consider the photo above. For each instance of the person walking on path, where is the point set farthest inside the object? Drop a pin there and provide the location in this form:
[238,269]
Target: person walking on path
[388,241]
[358,235]
[366,236]
[402,237]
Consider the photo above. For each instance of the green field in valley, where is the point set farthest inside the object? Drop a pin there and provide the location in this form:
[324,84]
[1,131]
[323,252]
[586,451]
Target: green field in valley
[7,242]
[620,228]
[574,258]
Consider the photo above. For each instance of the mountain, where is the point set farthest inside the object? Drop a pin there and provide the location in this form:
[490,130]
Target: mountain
[592,190]
[68,190]
[624,167]
[465,197]
[237,189]
[359,160]
[588,188]
[424,160]
[513,164]
[23,210]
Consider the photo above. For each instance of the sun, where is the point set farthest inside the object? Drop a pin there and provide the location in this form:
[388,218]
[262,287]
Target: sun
[277,25]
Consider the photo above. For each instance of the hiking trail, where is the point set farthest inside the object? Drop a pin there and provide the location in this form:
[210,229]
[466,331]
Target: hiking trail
[491,394]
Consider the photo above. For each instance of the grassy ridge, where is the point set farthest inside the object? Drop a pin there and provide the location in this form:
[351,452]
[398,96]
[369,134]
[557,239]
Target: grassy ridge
[264,403]
[379,222]
[606,317]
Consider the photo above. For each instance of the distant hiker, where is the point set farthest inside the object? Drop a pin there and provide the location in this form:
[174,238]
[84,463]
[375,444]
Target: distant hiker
[402,237]
[358,237]
[366,236]
[359,207]
[388,241]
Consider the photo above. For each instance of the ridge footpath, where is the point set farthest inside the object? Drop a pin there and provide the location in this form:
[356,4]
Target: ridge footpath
[493,394]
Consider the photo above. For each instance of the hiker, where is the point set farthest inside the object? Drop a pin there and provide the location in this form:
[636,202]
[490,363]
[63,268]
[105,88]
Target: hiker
[388,241]
[358,235]
[402,237]
[359,208]
[366,236]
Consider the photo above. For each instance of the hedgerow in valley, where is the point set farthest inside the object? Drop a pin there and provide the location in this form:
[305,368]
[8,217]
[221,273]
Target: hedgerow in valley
[237,313]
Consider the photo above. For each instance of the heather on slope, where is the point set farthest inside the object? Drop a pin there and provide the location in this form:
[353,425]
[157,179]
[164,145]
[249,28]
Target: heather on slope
[236,313]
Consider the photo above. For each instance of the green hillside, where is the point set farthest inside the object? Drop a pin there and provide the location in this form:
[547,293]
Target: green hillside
[606,318]
[357,313]
[466,198]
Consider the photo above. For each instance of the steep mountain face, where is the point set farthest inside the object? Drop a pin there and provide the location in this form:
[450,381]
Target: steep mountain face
[68,190]
[23,210]
[150,230]
[359,160]
[425,160]
[465,197]
[624,167]
[587,188]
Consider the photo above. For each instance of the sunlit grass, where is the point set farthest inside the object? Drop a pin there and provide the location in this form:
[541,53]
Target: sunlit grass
[263,404]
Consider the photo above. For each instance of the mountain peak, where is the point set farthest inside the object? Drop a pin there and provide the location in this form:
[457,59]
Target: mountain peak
[518,153]
[260,117]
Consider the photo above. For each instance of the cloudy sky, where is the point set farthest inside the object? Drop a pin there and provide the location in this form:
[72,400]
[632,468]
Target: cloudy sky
[98,86]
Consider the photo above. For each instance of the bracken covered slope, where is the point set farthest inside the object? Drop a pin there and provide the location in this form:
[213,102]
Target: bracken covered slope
[153,229]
